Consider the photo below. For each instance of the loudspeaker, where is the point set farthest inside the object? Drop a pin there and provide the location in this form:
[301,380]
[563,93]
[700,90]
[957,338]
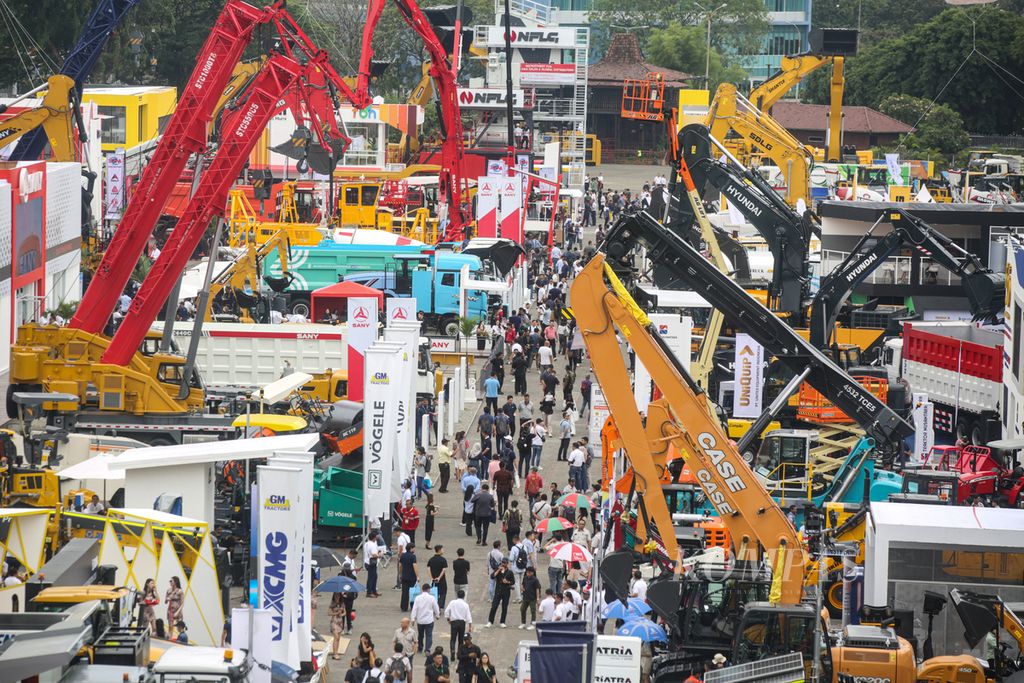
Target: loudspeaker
[616,569]
[840,42]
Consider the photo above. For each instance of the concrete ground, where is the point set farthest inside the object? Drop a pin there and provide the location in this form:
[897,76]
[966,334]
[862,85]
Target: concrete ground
[381,616]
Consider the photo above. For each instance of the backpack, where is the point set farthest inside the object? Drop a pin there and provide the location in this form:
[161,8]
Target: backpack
[397,668]
[520,557]
[501,424]
[515,520]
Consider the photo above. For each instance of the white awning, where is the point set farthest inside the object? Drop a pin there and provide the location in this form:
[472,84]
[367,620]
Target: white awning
[280,389]
[211,451]
[97,467]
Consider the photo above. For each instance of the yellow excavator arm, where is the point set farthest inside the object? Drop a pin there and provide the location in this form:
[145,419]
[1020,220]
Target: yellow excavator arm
[792,70]
[56,115]
[732,111]
[683,417]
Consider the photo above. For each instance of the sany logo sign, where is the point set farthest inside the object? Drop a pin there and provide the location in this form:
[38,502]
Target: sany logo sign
[361,315]
[488,98]
[399,314]
[29,184]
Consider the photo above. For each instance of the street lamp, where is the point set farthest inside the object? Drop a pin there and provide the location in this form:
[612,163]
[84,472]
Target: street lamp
[707,61]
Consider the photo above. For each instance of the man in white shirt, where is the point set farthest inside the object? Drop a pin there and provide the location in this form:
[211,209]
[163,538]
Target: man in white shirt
[375,674]
[638,589]
[402,541]
[544,355]
[577,459]
[537,443]
[547,606]
[424,611]
[372,551]
[577,600]
[460,620]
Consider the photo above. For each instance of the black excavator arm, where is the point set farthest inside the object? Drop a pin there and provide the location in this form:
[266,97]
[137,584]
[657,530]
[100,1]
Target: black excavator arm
[787,233]
[671,252]
[985,289]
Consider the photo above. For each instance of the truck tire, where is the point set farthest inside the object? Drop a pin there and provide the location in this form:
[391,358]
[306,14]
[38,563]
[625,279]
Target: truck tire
[299,305]
[978,434]
[161,441]
[962,429]
[449,326]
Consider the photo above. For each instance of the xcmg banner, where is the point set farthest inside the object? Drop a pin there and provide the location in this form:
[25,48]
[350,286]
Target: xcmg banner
[280,557]
[380,417]
[362,332]
[304,510]
[748,387]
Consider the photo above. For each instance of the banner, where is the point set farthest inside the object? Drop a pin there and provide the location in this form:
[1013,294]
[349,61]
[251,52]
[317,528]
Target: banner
[489,98]
[279,557]
[923,412]
[303,460]
[487,204]
[642,384]
[408,336]
[557,663]
[259,648]
[401,309]
[380,416]
[748,387]
[547,74]
[892,161]
[677,333]
[599,412]
[511,192]
[362,332]
[531,36]
[113,186]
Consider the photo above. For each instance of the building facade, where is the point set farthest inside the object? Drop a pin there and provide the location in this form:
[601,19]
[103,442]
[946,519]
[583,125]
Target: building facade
[789,25]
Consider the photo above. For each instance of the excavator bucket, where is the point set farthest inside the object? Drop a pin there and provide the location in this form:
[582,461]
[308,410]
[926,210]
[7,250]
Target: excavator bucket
[986,293]
[644,98]
[977,612]
[615,572]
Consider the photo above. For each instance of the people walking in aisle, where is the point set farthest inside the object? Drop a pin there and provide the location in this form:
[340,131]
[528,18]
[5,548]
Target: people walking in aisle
[438,566]
[504,580]
[530,593]
[444,465]
[483,511]
[503,480]
[408,572]
[431,516]
[494,559]
[460,620]
[512,522]
[460,570]
[425,611]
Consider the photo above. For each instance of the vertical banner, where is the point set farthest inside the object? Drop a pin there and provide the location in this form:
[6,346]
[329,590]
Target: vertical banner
[380,414]
[362,332]
[677,333]
[113,186]
[511,202]
[496,168]
[923,412]
[400,309]
[892,162]
[279,557]
[523,166]
[599,412]
[303,460]
[259,648]
[408,335]
[642,384]
[749,379]
[487,206]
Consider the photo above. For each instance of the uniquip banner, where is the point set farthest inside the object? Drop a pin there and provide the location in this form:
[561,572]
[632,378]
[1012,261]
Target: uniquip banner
[748,389]
[280,558]
[381,405]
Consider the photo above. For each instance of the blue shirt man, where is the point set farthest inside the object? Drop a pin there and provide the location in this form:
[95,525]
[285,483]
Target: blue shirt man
[491,389]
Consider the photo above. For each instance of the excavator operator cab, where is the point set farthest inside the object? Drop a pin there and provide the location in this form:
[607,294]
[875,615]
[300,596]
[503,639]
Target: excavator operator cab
[782,460]
[768,630]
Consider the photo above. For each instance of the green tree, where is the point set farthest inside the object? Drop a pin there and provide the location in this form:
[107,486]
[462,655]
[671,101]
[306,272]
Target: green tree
[938,130]
[940,59]
[684,48]
[739,27]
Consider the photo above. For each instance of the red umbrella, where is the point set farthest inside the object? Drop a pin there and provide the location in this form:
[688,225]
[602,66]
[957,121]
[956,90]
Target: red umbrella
[570,552]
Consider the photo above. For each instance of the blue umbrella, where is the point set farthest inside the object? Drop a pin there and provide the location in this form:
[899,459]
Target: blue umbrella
[644,629]
[616,610]
[340,584]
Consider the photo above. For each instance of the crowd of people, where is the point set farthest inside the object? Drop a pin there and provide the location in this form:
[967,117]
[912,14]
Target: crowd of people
[512,470]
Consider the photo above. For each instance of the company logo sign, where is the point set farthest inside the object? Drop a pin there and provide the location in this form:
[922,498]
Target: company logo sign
[488,98]
[531,37]
[381,378]
[399,314]
[376,444]
[276,502]
[275,558]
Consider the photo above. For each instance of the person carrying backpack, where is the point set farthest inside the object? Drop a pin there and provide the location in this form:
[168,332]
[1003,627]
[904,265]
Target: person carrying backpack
[398,666]
[512,522]
[518,558]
